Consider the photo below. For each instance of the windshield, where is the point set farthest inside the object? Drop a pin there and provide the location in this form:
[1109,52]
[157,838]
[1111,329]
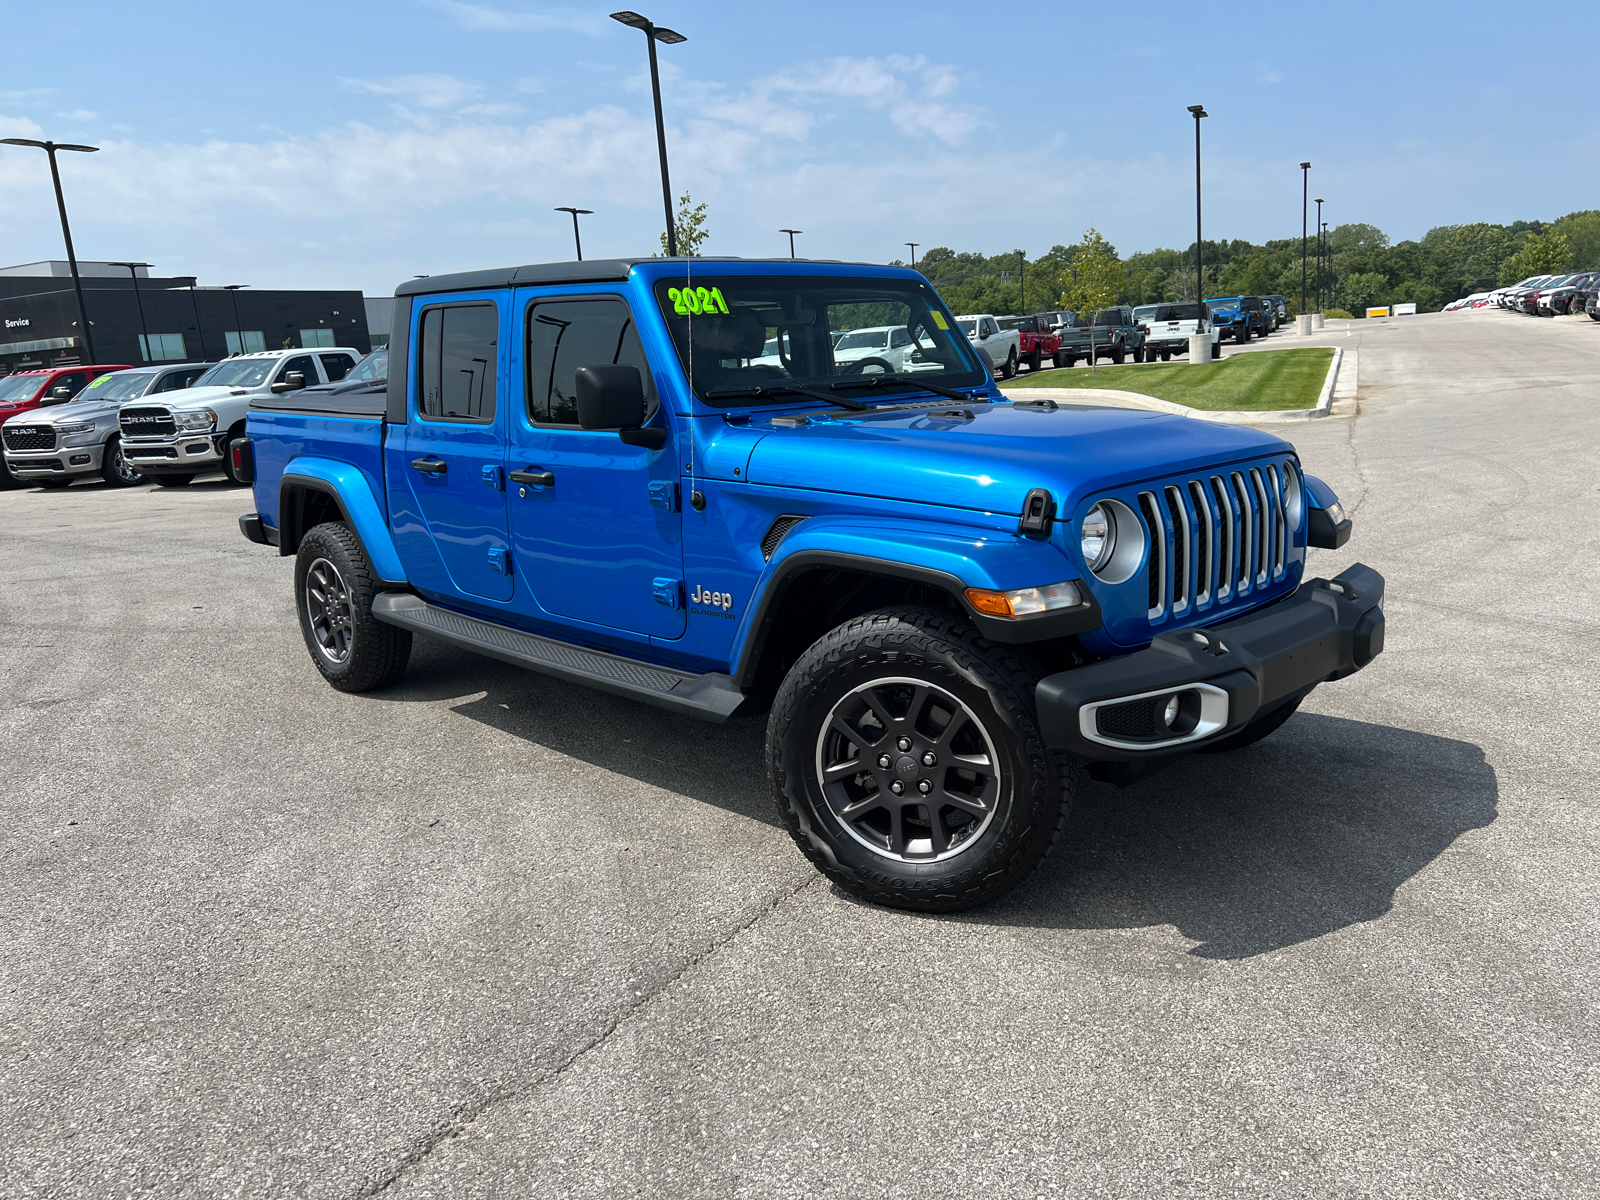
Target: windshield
[970,328]
[238,372]
[893,328]
[120,385]
[372,369]
[19,387]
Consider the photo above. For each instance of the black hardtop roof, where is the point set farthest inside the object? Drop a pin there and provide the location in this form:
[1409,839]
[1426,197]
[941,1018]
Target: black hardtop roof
[593,270]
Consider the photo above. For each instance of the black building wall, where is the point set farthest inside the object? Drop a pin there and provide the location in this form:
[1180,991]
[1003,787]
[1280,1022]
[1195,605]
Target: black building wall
[204,317]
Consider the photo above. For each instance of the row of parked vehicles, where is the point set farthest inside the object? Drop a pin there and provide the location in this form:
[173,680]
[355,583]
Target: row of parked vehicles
[1542,296]
[168,423]
[1142,333]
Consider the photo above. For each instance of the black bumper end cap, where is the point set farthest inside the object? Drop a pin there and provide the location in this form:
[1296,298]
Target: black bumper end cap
[1324,534]
[251,525]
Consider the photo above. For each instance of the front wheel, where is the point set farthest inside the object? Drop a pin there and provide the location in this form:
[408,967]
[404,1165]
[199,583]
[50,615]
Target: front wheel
[115,469]
[1035,360]
[1243,334]
[334,587]
[906,762]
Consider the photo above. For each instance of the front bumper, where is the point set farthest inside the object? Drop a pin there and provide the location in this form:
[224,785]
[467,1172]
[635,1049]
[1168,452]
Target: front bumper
[1222,676]
[61,463]
[187,453]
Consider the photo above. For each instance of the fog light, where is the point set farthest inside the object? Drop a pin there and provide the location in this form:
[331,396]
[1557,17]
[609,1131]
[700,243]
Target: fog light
[79,459]
[1169,715]
[1023,602]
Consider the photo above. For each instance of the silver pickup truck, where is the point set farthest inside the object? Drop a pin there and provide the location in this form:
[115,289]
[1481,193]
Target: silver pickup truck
[172,439]
[54,446]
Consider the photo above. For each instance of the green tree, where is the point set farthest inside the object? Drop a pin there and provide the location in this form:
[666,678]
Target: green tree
[691,227]
[1542,254]
[1582,231]
[1361,290]
[1098,279]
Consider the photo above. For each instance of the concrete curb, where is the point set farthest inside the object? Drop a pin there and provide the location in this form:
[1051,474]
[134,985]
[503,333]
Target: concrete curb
[1323,407]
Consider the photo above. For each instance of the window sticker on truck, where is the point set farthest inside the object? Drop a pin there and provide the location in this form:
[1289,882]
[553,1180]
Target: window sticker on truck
[696,300]
[938,319]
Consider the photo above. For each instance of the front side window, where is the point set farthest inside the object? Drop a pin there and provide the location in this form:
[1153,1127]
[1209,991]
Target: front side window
[456,356]
[824,329]
[302,363]
[176,381]
[564,335]
[74,382]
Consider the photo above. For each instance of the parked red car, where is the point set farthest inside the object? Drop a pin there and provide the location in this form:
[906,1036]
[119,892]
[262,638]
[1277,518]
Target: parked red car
[1038,342]
[31,389]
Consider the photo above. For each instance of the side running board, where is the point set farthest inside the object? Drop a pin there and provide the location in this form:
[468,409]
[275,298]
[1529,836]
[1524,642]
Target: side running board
[710,697]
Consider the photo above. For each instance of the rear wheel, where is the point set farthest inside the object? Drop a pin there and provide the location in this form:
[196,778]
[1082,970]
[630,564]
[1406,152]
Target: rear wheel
[1011,364]
[906,762]
[172,480]
[1117,356]
[1166,356]
[115,469]
[227,455]
[1061,360]
[334,587]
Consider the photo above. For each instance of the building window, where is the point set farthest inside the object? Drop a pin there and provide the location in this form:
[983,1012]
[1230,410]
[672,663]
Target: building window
[162,347]
[316,337]
[250,341]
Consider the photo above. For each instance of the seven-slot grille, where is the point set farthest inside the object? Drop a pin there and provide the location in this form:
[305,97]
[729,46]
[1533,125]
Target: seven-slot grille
[1217,538]
[30,437]
[147,422]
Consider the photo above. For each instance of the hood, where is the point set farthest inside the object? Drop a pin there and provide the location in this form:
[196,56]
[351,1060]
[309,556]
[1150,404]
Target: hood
[991,462]
[185,399]
[72,411]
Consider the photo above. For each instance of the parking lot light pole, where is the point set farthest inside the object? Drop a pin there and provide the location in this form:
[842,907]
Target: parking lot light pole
[791,233]
[189,282]
[670,37]
[1319,253]
[144,329]
[913,246]
[1305,191]
[1022,279]
[576,213]
[238,327]
[1200,343]
[50,148]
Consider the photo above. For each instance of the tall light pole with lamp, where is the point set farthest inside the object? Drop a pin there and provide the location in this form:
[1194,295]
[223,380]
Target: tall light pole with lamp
[913,246]
[50,148]
[791,233]
[1303,321]
[670,37]
[576,213]
[238,327]
[144,330]
[1319,255]
[1199,343]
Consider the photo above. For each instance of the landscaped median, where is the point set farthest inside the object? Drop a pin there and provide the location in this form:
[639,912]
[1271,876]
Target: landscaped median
[1261,381]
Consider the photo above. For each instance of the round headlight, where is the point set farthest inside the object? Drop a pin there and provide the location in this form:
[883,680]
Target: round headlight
[1098,537]
[1293,495]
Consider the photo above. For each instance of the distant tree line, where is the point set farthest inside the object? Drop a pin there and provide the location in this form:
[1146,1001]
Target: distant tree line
[1361,268]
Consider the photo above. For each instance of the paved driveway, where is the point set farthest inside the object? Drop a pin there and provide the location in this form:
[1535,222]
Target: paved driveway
[489,935]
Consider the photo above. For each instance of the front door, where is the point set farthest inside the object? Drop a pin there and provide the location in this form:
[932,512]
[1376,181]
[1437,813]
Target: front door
[454,454]
[595,529]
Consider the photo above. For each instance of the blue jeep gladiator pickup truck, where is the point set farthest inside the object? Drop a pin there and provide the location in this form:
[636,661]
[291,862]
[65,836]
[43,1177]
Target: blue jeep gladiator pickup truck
[653,477]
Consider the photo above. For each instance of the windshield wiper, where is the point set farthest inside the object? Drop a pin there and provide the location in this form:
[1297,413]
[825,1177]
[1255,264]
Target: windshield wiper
[760,392]
[881,381]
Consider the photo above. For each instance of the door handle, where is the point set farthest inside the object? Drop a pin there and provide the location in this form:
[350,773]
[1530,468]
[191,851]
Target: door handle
[535,477]
[429,466]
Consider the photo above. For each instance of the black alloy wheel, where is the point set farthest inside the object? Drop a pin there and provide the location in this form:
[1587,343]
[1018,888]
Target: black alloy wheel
[328,612]
[334,586]
[907,765]
[115,468]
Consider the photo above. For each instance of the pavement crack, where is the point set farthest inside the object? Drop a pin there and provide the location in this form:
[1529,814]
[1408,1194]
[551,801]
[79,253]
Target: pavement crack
[463,1117]
[1350,438]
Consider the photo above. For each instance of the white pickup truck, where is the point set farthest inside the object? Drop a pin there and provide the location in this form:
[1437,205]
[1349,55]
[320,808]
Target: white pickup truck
[187,433]
[1167,327]
[1002,347]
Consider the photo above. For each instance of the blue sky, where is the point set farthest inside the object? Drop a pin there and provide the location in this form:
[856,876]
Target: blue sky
[356,144]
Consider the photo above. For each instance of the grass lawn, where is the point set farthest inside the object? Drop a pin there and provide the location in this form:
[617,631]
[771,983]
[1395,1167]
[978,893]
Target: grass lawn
[1256,382]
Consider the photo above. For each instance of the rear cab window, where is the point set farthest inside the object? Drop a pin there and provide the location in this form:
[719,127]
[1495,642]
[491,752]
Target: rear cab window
[457,356]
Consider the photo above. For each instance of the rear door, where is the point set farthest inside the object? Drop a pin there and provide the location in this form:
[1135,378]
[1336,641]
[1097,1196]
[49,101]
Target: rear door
[602,542]
[453,536]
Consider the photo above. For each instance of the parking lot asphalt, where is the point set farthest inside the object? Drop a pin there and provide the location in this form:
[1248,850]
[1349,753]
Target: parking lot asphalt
[486,934]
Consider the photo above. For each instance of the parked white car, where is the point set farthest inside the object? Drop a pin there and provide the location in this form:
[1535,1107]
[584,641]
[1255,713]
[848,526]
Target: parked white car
[1167,327]
[184,434]
[1002,347]
[891,344]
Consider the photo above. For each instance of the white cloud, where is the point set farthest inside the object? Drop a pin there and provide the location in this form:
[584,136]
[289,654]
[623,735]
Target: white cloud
[81,114]
[487,19]
[426,91]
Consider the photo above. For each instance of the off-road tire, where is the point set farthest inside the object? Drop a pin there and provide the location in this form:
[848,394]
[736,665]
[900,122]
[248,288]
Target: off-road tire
[1036,360]
[110,457]
[1261,727]
[375,654]
[172,480]
[1243,335]
[1117,356]
[1061,360]
[1166,356]
[1034,786]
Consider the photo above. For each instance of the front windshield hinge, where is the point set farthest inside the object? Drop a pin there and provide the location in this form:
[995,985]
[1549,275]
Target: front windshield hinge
[1038,514]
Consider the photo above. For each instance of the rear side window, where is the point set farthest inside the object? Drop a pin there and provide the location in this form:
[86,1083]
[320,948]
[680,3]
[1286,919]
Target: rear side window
[564,335]
[457,349]
[336,365]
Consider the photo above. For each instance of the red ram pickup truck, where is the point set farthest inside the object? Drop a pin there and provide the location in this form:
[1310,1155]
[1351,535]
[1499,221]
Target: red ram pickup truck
[1037,340]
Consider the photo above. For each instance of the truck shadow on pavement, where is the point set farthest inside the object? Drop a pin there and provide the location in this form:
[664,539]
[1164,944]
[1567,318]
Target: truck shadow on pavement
[1302,834]
[1305,833]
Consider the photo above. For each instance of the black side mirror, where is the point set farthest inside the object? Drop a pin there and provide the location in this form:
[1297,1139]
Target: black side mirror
[292,382]
[613,398]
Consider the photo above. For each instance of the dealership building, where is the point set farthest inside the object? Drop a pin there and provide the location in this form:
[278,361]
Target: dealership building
[139,318]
